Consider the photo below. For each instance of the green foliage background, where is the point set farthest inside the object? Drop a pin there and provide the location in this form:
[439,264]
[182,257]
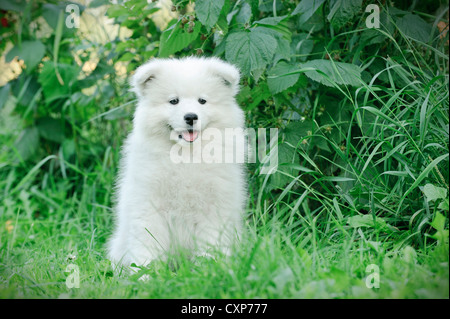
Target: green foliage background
[362,113]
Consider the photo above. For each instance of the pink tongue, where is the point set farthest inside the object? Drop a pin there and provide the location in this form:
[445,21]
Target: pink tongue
[190,136]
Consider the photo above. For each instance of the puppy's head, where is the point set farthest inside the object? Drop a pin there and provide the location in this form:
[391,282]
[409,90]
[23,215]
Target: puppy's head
[178,98]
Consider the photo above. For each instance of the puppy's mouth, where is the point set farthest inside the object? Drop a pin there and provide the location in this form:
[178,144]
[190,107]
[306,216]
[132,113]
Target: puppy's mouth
[189,135]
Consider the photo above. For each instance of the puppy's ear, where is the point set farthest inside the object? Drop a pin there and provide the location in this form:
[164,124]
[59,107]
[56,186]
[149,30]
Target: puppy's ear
[143,76]
[228,73]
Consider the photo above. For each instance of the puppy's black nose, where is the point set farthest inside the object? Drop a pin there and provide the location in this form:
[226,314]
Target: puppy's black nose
[190,118]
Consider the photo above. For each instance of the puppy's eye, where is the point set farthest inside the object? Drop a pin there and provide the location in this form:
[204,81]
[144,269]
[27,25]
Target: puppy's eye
[201,101]
[174,101]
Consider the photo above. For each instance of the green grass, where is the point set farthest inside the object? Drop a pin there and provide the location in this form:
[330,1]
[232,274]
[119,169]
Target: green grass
[35,254]
[304,243]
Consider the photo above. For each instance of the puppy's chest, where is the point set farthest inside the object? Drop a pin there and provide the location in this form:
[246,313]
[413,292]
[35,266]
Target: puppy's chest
[193,188]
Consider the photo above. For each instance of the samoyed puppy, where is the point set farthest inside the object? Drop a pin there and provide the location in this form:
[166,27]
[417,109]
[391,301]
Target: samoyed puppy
[179,186]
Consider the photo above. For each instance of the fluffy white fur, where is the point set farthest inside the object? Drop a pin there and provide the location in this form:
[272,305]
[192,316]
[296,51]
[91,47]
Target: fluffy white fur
[164,206]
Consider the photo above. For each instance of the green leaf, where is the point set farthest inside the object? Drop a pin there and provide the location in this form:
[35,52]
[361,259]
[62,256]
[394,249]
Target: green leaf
[275,26]
[434,192]
[127,56]
[307,8]
[31,52]
[117,10]
[306,130]
[175,38]
[337,115]
[268,5]
[283,37]
[18,6]
[444,205]
[239,18]
[279,78]
[98,3]
[50,13]
[255,94]
[342,11]
[302,45]
[330,72]
[369,222]
[305,257]
[250,50]
[414,27]
[51,129]
[438,224]
[27,143]
[273,21]
[297,130]
[287,153]
[208,11]
[222,23]
[68,149]
[51,86]
[4,94]
[422,175]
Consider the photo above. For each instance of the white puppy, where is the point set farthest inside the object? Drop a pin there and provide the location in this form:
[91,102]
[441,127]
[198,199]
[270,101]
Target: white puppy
[166,202]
